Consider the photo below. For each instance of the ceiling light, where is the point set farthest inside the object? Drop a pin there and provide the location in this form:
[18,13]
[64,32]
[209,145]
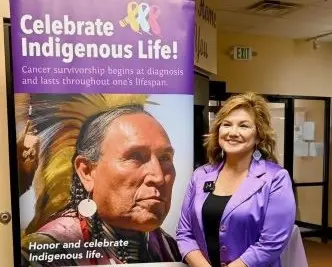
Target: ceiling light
[315,44]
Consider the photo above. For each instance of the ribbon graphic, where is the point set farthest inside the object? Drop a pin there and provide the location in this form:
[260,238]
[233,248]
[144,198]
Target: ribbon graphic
[130,19]
[142,17]
[154,15]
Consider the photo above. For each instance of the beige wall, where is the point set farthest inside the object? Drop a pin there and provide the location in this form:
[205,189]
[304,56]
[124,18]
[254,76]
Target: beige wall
[284,66]
[6,258]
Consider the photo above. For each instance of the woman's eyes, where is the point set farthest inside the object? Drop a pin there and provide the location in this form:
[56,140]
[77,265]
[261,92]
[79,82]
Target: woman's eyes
[244,126]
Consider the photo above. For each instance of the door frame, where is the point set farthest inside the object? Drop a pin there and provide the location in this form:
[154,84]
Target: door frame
[14,185]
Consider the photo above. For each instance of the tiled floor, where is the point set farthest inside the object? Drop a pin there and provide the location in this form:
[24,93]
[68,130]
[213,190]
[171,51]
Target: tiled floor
[318,254]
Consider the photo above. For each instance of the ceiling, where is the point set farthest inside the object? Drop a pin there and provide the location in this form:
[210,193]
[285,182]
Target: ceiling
[311,19]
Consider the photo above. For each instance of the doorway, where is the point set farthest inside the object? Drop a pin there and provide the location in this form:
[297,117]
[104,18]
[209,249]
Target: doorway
[6,226]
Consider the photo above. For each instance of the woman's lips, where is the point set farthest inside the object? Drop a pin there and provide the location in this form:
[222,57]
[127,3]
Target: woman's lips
[233,142]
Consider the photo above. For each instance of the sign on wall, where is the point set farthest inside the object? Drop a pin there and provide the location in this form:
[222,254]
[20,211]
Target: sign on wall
[103,106]
[206,36]
[242,53]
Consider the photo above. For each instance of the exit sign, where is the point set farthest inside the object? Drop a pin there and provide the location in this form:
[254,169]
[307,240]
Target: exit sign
[242,53]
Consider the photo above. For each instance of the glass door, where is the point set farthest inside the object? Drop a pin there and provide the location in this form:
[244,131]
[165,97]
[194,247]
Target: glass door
[310,164]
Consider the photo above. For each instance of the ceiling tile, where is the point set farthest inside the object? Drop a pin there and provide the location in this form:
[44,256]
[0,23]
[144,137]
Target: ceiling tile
[303,2]
[288,29]
[313,19]
[234,5]
[237,5]
[238,19]
[326,39]
[312,14]
[323,4]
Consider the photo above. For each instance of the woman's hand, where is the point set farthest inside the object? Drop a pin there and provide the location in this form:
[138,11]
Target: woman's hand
[28,145]
[196,259]
[237,263]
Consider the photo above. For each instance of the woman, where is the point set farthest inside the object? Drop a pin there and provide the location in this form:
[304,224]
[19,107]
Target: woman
[239,209]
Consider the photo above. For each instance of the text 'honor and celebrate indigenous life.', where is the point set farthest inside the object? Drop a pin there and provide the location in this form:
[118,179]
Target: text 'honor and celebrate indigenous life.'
[47,252]
[67,51]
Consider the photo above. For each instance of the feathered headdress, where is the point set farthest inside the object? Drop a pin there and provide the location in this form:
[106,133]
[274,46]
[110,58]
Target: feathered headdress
[58,120]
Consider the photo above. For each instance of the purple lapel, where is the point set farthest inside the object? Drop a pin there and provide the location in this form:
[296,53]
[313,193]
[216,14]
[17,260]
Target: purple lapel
[250,186]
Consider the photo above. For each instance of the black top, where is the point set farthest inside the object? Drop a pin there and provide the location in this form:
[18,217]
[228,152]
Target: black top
[212,211]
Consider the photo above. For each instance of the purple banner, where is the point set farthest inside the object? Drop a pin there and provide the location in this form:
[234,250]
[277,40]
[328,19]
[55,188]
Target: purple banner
[103,46]
[104,119]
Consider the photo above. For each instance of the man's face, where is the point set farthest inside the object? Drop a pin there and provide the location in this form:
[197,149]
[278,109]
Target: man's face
[134,176]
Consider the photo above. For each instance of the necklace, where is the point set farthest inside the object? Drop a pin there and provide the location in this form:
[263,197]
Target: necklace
[134,248]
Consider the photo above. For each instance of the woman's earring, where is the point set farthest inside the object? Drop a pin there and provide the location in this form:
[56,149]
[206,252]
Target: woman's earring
[87,207]
[257,154]
[222,154]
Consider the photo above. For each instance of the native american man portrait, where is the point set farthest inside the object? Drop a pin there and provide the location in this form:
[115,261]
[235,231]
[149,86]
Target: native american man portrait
[101,168]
